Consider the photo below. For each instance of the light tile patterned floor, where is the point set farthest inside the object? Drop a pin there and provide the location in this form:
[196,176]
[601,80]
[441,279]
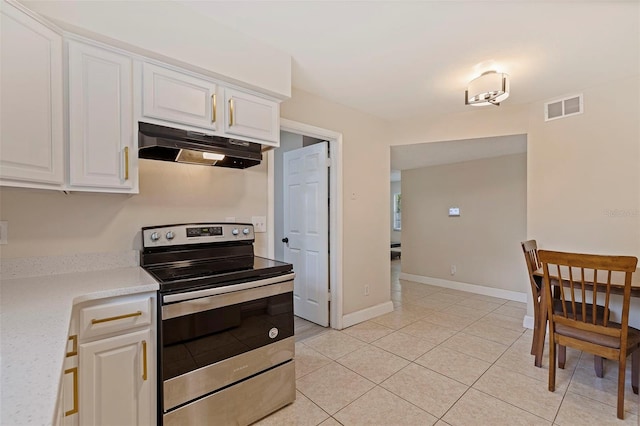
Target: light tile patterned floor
[443,357]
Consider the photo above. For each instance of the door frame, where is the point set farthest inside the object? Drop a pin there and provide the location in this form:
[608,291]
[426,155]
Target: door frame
[335,211]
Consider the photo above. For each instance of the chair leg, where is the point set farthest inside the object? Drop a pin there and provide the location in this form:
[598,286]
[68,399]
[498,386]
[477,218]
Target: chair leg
[635,370]
[562,356]
[622,366]
[542,331]
[598,365]
[552,365]
[536,330]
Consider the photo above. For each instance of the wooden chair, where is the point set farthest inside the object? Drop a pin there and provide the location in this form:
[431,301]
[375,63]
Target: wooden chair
[582,275]
[530,250]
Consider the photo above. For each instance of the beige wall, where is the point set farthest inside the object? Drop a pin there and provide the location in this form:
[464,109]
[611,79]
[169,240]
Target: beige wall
[50,223]
[583,178]
[365,194]
[396,236]
[483,242]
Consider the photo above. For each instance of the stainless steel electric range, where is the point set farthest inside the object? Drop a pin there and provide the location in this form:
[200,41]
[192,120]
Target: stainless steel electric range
[225,338]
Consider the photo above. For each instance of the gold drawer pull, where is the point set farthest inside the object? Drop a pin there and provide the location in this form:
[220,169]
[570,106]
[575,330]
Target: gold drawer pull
[74,351]
[119,317]
[144,360]
[126,163]
[231,112]
[74,410]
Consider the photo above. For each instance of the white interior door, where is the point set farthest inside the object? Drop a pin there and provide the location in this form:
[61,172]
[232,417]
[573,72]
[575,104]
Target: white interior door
[306,229]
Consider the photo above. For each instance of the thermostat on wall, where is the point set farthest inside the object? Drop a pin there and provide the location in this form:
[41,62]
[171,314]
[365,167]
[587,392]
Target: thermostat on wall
[454,211]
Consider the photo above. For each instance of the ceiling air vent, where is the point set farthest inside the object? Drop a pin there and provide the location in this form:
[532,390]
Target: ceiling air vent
[562,108]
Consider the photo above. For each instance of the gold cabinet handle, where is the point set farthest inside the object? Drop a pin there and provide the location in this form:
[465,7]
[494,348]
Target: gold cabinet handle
[214,107]
[119,317]
[230,112]
[74,410]
[74,350]
[144,360]
[126,163]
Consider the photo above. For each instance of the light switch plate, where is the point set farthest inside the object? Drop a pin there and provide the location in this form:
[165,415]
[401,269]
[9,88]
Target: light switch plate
[259,223]
[454,211]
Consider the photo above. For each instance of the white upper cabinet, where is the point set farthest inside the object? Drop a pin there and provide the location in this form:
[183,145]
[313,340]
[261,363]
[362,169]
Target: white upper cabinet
[31,118]
[102,154]
[252,116]
[177,97]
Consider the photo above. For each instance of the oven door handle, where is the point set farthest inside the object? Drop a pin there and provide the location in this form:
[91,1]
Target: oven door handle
[226,289]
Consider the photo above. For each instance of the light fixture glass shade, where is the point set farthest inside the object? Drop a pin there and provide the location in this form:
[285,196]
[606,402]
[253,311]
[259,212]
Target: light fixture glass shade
[490,88]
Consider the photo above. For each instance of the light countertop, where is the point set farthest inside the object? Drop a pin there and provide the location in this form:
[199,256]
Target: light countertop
[34,319]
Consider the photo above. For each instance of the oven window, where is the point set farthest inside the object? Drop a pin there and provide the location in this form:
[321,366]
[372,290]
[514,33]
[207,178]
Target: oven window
[196,340]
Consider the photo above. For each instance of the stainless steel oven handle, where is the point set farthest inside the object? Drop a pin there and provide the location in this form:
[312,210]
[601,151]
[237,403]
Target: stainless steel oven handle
[202,304]
[226,289]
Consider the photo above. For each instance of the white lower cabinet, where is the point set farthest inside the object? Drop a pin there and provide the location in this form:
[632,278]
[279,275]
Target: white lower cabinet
[109,374]
[115,380]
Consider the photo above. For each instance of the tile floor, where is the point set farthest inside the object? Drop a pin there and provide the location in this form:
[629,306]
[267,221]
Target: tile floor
[442,357]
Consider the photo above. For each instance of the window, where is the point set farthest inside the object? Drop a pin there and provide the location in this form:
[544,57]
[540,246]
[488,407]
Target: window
[397,211]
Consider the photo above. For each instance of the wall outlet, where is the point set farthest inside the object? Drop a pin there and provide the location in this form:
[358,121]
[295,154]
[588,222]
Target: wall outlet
[259,223]
[453,269]
[4,232]
[366,290]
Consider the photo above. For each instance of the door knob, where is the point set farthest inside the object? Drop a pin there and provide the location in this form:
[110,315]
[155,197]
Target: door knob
[285,240]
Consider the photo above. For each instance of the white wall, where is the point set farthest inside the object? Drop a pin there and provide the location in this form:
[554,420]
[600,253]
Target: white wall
[483,242]
[396,236]
[175,31]
[365,198]
[50,223]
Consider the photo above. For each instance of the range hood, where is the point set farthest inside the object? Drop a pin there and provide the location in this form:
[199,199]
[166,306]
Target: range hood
[183,146]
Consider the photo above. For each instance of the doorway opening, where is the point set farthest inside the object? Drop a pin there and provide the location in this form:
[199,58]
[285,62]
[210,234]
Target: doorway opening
[307,135]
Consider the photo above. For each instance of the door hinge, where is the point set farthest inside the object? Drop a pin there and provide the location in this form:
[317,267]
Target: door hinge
[328,163]
[329,296]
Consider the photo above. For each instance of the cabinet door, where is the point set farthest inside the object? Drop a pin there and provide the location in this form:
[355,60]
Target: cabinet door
[31,128]
[252,116]
[101,150]
[181,98]
[117,380]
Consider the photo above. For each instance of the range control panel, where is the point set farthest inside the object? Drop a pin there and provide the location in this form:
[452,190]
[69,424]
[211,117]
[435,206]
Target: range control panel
[196,233]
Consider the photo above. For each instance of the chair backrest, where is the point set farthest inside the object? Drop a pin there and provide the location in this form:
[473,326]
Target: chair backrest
[530,250]
[587,278]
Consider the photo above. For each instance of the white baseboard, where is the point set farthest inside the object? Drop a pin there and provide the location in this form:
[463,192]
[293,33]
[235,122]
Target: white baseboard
[527,322]
[366,314]
[471,288]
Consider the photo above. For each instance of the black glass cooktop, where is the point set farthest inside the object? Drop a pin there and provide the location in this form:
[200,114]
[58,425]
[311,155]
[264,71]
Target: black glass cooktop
[193,275]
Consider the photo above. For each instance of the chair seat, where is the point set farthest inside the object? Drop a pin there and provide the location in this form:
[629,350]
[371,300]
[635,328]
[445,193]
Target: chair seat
[633,338]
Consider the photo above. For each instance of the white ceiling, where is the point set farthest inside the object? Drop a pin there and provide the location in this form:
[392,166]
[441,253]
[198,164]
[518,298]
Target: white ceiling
[398,59]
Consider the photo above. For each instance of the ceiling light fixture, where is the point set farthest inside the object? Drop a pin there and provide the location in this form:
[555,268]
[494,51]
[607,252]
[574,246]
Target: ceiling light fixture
[490,88]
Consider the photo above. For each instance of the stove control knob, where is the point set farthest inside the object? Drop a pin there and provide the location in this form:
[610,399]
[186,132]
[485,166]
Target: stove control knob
[155,236]
[235,231]
[245,231]
[170,235]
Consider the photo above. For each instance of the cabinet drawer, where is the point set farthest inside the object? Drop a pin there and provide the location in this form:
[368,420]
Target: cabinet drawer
[116,316]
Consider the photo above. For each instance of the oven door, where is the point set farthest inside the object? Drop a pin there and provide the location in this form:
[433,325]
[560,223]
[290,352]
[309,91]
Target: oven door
[224,335]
